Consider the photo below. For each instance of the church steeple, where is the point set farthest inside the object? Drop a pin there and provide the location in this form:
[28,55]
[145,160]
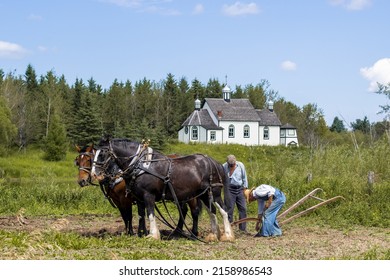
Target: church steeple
[197,104]
[226,91]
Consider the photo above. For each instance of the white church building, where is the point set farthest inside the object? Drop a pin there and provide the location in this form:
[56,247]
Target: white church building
[235,121]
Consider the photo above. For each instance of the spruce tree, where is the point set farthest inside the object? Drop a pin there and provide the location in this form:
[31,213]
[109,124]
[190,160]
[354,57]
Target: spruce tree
[56,143]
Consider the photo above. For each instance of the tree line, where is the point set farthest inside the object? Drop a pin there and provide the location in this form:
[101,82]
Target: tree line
[47,111]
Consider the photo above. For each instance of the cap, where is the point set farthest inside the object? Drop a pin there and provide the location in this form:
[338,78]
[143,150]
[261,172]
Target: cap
[247,194]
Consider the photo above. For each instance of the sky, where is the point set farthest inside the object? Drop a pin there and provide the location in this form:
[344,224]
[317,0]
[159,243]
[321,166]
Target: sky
[330,53]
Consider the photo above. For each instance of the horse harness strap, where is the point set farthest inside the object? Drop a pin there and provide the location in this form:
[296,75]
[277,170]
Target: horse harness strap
[107,196]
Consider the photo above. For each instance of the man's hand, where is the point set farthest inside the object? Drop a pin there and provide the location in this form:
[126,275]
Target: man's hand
[268,203]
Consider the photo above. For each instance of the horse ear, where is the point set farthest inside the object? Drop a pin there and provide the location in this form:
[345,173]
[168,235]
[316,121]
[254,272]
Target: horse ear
[90,148]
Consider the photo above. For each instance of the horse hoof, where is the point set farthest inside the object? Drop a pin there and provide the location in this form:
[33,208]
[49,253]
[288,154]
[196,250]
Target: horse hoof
[226,238]
[156,237]
[212,237]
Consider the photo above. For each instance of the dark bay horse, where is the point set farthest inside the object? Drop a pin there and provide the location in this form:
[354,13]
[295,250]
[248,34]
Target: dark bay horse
[113,188]
[151,176]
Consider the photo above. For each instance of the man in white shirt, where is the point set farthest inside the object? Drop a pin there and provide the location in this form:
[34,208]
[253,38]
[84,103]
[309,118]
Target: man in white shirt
[269,200]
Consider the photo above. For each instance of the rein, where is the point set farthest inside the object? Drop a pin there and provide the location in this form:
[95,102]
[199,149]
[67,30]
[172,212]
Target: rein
[88,169]
[136,165]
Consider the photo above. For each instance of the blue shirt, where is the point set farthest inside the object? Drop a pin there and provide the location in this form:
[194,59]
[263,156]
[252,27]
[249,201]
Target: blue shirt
[238,177]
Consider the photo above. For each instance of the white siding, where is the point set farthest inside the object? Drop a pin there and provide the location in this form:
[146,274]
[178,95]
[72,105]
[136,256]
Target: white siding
[288,136]
[239,133]
[182,136]
[218,137]
[274,136]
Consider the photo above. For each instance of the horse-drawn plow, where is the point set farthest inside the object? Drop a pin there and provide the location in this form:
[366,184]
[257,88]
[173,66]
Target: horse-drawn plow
[283,219]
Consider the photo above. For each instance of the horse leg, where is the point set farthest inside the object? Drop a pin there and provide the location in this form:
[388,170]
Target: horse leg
[228,234]
[150,202]
[179,228]
[142,231]
[127,216]
[195,207]
[214,233]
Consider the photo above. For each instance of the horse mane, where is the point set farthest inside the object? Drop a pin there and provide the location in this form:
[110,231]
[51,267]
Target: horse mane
[123,143]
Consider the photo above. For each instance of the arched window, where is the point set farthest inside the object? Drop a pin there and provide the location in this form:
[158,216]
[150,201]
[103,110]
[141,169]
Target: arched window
[246,131]
[266,133]
[194,133]
[231,131]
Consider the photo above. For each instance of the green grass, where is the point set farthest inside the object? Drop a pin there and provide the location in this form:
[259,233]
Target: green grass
[338,171]
[41,187]
[35,187]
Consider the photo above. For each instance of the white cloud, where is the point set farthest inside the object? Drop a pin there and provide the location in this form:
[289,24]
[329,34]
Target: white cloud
[289,65]
[239,9]
[11,50]
[378,73]
[352,4]
[198,9]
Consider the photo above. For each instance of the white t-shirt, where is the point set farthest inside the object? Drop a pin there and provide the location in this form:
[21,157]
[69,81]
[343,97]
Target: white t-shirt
[262,193]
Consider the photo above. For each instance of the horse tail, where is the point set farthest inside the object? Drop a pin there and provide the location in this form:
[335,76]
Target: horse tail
[226,193]
[224,180]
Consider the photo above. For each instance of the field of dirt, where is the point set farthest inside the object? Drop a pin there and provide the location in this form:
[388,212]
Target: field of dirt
[298,242]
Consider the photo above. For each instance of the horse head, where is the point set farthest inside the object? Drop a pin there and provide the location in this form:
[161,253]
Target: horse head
[84,162]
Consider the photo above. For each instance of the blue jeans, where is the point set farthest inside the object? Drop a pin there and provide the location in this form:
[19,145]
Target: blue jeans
[270,226]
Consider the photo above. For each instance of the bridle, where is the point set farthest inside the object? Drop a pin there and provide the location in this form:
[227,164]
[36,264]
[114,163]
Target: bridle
[87,169]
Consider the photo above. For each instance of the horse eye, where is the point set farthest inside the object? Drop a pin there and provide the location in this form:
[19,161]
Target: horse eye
[76,162]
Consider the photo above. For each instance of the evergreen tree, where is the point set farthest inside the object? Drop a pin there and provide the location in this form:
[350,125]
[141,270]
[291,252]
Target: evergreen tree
[31,79]
[239,93]
[171,102]
[197,90]
[186,101]
[56,143]
[89,126]
[33,113]
[213,89]
[86,126]
[337,125]
[362,125]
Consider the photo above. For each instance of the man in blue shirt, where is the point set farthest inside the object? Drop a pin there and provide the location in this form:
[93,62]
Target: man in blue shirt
[235,171]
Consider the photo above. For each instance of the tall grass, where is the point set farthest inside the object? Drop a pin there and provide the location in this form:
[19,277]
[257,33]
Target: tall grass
[337,170]
[40,187]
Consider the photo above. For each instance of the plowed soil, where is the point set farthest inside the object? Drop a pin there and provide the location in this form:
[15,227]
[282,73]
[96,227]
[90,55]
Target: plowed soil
[298,242]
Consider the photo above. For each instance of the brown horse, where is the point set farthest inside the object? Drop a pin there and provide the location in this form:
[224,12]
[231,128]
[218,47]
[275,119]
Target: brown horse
[114,189]
[151,176]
